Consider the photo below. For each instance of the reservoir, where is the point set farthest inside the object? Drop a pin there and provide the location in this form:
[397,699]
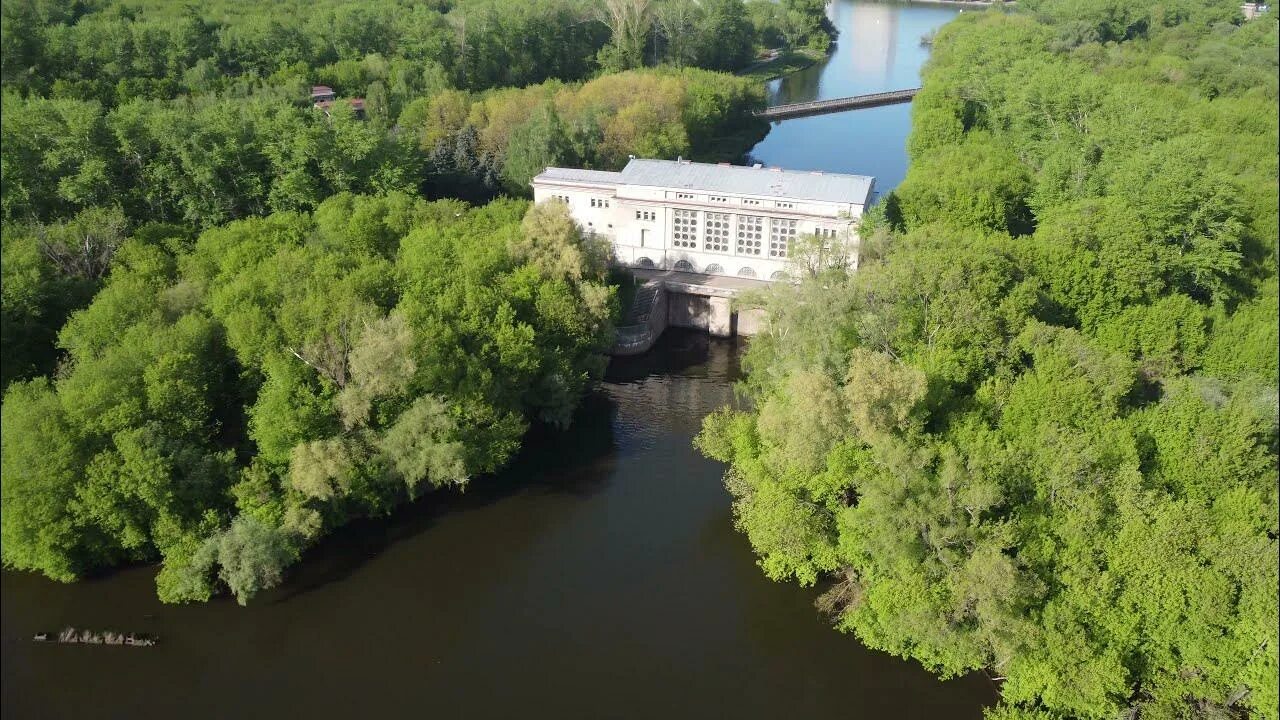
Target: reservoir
[599,576]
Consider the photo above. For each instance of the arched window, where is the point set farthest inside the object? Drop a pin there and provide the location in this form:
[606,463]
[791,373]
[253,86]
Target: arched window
[644,262]
[684,266]
[746,272]
[780,275]
[714,269]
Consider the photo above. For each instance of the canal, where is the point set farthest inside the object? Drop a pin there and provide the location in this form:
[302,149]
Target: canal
[598,577]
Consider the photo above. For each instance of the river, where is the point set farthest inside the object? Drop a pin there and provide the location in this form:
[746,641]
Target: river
[878,49]
[598,577]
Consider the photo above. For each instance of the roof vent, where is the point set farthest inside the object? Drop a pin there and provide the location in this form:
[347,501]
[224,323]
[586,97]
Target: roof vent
[723,164]
[757,166]
[776,169]
[815,172]
[679,158]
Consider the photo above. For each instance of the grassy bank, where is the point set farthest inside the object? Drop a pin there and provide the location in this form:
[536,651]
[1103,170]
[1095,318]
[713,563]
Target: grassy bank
[786,62]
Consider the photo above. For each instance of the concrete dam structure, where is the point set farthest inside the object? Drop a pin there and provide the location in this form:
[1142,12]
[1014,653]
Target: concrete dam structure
[685,300]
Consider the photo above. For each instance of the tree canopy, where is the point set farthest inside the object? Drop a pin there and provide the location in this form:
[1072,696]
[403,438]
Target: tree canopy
[1035,433]
[225,404]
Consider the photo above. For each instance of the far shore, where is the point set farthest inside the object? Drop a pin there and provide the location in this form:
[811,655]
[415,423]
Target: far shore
[960,3]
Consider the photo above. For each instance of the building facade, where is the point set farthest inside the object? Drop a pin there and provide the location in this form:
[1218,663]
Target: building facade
[707,218]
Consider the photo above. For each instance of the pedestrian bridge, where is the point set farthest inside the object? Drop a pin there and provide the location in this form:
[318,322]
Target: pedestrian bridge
[822,107]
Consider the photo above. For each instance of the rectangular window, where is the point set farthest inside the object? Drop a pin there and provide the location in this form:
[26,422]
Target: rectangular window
[785,204]
[644,215]
[684,229]
[749,201]
[717,233]
[716,198]
[750,234]
[684,196]
[781,232]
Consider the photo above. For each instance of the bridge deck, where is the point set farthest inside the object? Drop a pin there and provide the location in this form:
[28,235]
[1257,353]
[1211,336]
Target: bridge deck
[819,107]
[715,285]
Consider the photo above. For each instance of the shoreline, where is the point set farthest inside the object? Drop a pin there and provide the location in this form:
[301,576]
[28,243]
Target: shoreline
[958,3]
[784,64]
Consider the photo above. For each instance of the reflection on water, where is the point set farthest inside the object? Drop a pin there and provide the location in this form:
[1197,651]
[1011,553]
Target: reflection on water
[600,576]
[871,31]
[878,49]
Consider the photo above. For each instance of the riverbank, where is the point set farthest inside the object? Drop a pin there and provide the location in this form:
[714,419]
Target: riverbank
[784,63]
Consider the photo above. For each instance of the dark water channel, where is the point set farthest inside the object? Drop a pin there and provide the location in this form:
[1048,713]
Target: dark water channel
[600,577]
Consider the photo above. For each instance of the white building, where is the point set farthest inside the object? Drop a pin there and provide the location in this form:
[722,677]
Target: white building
[700,217]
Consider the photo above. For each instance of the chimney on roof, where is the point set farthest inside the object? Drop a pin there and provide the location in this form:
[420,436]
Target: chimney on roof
[679,158]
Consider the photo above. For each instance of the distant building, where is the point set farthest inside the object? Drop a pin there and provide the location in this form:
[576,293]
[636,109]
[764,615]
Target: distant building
[357,104]
[322,93]
[707,218]
[1253,10]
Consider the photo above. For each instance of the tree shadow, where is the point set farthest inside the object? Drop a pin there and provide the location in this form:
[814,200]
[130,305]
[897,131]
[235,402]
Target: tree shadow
[572,461]
[680,351]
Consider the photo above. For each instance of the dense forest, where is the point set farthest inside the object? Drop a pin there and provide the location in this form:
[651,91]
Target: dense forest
[231,320]
[225,402]
[1035,434]
[117,115]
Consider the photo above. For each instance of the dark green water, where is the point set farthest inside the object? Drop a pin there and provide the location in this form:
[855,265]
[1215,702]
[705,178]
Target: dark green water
[600,577]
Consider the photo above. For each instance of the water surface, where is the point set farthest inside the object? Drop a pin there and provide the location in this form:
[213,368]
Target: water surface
[600,577]
[878,49]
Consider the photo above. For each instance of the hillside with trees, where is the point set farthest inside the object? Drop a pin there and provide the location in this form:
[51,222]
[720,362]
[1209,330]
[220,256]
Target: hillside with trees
[1035,434]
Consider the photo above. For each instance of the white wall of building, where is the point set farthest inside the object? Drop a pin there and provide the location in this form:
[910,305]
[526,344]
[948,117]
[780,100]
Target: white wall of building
[670,228]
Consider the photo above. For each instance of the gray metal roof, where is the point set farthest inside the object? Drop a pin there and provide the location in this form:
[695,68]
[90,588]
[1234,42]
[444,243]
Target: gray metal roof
[738,180]
[553,174]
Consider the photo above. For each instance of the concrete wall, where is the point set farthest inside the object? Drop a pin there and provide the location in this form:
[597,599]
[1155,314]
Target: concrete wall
[637,339]
[711,314]
[750,321]
[630,208]
[689,311]
[699,312]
